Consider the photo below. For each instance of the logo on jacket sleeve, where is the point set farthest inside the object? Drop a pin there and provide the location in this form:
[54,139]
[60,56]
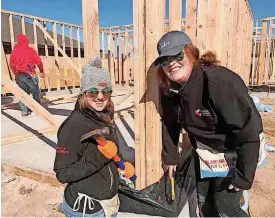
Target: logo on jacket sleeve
[61,150]
[203,113]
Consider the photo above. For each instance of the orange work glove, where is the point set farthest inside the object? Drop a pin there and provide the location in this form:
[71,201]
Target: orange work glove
[109,150]
[129,170]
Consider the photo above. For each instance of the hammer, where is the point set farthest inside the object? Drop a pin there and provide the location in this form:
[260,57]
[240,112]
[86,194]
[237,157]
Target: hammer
[99,136]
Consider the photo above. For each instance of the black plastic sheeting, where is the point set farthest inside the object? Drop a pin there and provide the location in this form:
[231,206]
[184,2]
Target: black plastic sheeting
[155,200]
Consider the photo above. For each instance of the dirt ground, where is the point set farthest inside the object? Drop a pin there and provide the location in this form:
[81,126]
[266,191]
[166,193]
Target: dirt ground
[25,197]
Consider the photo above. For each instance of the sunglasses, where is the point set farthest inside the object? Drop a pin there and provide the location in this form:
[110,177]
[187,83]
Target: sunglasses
[163,61]
[93,92]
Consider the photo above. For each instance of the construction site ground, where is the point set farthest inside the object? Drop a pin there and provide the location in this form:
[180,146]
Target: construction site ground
[28,185]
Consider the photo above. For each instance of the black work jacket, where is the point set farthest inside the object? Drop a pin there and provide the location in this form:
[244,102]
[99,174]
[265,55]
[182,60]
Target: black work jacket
[214,108]
[81,165]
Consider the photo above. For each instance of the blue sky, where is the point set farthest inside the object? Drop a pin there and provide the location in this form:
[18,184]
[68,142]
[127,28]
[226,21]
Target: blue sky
[111,12]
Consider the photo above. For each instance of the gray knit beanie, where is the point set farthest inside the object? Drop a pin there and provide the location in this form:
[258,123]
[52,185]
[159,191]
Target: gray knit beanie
[94,76]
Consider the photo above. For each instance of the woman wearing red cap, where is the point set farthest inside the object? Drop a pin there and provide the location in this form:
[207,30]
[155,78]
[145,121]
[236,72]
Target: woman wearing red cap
[212,105]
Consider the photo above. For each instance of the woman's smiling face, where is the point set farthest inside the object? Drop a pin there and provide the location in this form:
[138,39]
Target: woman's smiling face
[178,70]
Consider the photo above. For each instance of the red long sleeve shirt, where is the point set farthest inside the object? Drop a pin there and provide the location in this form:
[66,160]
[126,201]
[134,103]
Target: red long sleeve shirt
[24,58]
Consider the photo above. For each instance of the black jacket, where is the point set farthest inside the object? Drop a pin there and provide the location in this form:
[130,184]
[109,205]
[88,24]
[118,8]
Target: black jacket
[215,109]
[81,165]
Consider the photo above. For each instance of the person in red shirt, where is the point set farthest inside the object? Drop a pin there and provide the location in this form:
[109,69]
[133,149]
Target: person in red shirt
[23,60]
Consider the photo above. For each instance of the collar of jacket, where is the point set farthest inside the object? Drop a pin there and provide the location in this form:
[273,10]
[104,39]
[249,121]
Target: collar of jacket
[181,89]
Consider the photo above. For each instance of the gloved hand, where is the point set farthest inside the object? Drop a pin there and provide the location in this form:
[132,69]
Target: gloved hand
[129,170]
[109,150]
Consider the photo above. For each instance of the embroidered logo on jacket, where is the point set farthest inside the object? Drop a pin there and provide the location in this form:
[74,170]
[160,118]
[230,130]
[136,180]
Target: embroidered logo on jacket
[61,150]
[203,113]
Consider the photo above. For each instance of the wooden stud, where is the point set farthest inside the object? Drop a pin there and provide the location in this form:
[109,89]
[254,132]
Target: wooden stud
[90,28]
[103,45]
[11,30]
[111,57]
[211,25]
[201,25]
[191,19]
[147,32]
[64,50]
[46,41]
[71,42]
[262,54]
[23,25]
[267,56]
[254,54]
[139,90]
[78,48]
[126,59]
[57,63]
[35,37]
[175,7]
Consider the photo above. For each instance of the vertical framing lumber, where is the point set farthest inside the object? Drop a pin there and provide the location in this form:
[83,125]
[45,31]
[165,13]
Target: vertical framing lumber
[201,25]
[35,37]
[139,90]
[46,41]
[64,50]
[120,57]
[267,59]
[90,28]
[254,53]
[211,24]
[111,57]
[78,48]
[126,59]
[46,55]
[23,25]
[175,7]
[57,63]
[11,30]
[71,42]
[262,54]
[191,19]
[147,32]
[103,45]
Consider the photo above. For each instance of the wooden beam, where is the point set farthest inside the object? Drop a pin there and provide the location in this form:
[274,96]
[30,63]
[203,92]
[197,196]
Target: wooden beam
[23,25]
[126,59]
[56,63]
[64,50]
[262,55]
[103,45]
[11,30]
[33,174]
[78,48]
[38,18]
[191,19]
[35,37]
[201,25]
[6,140]
[175,7]
[71,42]
[13,88]
[147,32]
[90,28]
[59,49]
[111,58]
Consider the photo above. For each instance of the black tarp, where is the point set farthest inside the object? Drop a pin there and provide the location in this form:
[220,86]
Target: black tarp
[154,200]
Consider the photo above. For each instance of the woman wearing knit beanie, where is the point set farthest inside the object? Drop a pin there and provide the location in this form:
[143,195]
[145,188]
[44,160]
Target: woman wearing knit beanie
[88,168]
